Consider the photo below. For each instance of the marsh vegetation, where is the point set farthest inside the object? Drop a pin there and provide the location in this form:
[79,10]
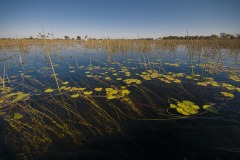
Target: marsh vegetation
[69,92]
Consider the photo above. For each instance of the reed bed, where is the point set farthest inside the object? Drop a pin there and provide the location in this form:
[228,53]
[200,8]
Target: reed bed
[122,45]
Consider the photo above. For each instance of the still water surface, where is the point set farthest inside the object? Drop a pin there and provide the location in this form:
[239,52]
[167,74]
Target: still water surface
[87,97]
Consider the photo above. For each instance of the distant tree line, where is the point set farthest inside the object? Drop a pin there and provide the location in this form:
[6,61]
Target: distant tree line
[221,36]
[214,36]
[145,38]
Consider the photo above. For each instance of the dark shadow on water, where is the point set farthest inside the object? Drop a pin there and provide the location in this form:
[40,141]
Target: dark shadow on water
[6,153]
[210,138]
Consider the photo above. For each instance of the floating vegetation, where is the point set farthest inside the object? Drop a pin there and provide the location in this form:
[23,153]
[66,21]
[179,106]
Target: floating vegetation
[119,79]
[186,107]
[107,78]
[75,95]
[107,82]
[210,108]
[65,83]
[228,86]
[235,78]
[49,90]
[80,89]
[116,94]
[87,93]
[226,94]
[98,89]
[132,80]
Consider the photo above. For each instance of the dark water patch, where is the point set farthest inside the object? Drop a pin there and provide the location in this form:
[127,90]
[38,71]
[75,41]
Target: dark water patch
[209,138]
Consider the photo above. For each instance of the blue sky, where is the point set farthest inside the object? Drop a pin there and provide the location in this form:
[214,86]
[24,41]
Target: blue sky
[118,18]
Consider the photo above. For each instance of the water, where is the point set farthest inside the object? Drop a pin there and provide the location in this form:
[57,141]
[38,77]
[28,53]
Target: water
[120,105]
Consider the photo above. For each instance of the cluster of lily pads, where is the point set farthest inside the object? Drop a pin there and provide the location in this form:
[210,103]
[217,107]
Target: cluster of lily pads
[117,72]
[110,93]
[116,93]
[188,108]
[235,77]
[145,75]
[71,89]
[167,78]
[229,87]
[132,80]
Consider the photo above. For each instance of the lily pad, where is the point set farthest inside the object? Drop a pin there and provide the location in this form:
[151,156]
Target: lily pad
[87,92]
[125,92]
[177,81]
[108,89]
[65,82]
[180,110]
[49,90]
[98,89]
[111,97]
[210,108]
[89,75]
[113,91]
[188,102]
[81,89]
[75,95]
[195,106]
[173,106]
[226,94]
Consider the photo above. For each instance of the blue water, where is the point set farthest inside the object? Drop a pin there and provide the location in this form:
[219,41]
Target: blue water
[149,100]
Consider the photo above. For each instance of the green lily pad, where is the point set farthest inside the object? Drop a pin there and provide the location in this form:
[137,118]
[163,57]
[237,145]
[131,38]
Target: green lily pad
[173,106]
[188,102]
[111,97]
[65,82]
[48,90]
[98,89]
[75,95]
[87,92]
[210,108]
[180,110]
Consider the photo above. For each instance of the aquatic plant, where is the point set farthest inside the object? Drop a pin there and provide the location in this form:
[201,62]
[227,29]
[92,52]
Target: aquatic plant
[186,107]
[91,91]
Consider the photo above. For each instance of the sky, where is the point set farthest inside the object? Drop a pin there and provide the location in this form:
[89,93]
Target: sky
[118,18]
